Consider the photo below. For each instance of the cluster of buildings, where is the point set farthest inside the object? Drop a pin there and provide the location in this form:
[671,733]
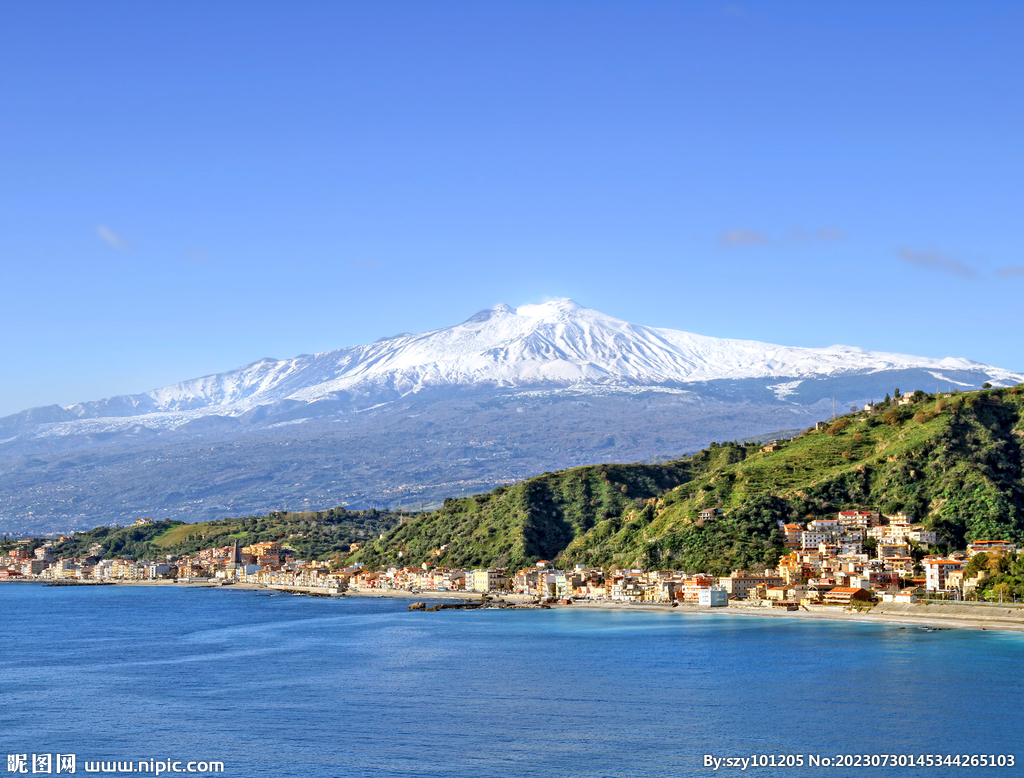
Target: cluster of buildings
[876,553]
[836,560]
[544,581]
[949,575]
[857,554]
[268,563]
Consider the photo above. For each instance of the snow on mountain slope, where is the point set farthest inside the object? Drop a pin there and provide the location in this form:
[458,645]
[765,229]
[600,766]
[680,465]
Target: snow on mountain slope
[557,343]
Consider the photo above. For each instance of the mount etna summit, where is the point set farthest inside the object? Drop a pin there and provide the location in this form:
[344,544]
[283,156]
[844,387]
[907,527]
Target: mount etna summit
[410,419]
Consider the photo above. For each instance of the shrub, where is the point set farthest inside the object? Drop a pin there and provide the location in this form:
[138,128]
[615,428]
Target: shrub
[838,426]
[895,416]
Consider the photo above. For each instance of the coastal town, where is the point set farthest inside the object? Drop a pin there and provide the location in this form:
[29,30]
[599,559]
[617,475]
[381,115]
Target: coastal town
[854,556]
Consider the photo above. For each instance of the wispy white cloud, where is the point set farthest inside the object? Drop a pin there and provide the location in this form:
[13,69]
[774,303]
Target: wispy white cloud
[1011,271]
[934,260]
[111,237]
[743,237]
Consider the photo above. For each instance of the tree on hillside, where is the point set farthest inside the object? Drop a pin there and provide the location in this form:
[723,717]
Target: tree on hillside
[838,426]
[893,417]
[978,563]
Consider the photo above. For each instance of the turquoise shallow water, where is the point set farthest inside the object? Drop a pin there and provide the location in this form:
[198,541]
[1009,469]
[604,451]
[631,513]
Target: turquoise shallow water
[301,686]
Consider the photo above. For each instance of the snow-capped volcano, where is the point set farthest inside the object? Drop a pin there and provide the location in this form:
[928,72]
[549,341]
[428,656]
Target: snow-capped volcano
[508,393]
[557,343]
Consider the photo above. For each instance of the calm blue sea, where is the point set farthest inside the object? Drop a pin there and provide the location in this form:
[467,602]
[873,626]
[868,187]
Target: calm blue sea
[301,686]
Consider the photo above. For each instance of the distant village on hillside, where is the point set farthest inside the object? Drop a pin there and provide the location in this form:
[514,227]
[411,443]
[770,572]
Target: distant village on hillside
[853,556]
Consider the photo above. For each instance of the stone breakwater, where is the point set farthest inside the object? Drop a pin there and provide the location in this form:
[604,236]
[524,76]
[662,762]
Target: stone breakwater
[475,605]
[981,616]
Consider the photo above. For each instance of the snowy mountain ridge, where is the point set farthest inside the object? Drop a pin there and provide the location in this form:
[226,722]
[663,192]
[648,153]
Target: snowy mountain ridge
[557,343]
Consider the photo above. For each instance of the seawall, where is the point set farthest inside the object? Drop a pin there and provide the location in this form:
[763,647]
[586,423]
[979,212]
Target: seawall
[980,615]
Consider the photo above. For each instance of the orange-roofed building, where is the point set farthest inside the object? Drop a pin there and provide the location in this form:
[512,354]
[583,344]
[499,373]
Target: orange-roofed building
[845,595]
[991,547]
[792,535]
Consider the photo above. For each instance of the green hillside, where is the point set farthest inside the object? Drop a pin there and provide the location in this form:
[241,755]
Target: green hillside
[954,462]
[313,534]
[519,524]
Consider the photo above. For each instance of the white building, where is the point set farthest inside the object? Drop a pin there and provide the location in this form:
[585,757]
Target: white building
[824,525]
[811,539]
[937,571]
[713,597]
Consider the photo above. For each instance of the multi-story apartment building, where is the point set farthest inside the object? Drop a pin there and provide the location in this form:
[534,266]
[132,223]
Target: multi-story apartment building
[937,572]
[811,539]
[489,580]
[741,582]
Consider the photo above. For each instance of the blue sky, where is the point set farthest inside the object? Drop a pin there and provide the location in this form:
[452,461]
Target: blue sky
[188,187]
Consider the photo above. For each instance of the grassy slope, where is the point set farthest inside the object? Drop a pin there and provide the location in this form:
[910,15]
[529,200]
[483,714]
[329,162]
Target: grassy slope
[313,534]
[956,464]
[182,533]
[518,525]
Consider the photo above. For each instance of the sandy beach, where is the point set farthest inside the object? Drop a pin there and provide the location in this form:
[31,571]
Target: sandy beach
[938,615]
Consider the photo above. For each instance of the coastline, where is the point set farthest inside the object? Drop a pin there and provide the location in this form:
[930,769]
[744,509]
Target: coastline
[988,618]
[935,615]
[934,619]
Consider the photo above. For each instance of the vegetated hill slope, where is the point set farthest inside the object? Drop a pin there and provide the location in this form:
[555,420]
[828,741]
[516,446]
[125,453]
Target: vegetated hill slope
[516,525]
[955,463]
[313,535]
